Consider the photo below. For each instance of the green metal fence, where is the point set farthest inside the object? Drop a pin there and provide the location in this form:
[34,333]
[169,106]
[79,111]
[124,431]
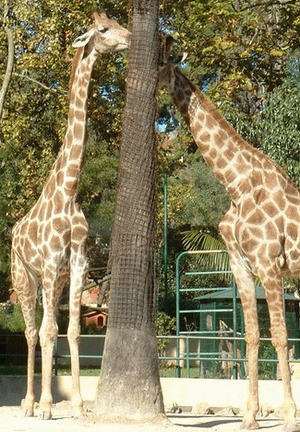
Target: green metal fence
[212,314]
[185,362]
[210,353]
[209,340]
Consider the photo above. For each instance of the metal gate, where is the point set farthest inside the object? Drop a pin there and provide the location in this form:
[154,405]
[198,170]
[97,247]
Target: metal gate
[208,319]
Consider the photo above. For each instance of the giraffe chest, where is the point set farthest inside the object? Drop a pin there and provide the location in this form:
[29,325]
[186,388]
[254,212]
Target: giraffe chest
[37,242]
[268,233]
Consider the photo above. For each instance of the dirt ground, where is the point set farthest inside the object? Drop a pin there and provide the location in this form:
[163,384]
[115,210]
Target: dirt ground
[11,419]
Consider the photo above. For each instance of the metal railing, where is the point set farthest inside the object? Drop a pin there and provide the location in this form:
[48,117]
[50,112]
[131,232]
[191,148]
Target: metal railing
[188,361]
[185,361]
[219,304]
[182,290]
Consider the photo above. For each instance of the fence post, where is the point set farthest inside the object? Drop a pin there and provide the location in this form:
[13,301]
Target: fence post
[55,358]
[166,236]
[188,356]
[234,300]
[178,315]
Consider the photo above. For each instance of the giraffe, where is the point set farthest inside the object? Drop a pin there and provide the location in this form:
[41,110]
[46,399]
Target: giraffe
[261,228]
[48,243]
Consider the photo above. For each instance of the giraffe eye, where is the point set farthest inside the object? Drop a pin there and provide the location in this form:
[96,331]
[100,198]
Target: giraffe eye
[103,30]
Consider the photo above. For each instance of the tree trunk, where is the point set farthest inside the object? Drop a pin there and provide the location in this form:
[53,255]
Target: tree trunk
[10,59]
[129,384]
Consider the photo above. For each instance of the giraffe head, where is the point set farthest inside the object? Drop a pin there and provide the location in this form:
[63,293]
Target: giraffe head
[167,65]
[105,35]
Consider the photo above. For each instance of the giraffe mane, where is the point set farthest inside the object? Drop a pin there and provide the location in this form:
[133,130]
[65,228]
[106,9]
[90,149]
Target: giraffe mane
[216,114]
[76,59]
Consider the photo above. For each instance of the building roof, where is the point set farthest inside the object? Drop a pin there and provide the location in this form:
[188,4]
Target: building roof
[228,294]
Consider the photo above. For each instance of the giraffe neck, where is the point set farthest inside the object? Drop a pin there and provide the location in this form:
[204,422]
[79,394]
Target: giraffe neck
[230,157]
[65,172]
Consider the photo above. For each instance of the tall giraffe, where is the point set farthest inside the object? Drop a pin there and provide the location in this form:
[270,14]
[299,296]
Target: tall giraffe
[261,229]
[48,244]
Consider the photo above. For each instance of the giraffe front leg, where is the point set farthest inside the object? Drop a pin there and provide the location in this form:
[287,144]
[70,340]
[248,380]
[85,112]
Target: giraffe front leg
[28,403]
[79,268]
[73,339]
[247,293]
[48,334]
[252,407]
[244,279]
[248,300]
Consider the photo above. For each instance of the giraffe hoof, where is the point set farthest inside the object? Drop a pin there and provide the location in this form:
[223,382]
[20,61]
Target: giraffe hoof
[291,427]
[28,412]
[246,425]
[45,414]
[28,405]
[79,412]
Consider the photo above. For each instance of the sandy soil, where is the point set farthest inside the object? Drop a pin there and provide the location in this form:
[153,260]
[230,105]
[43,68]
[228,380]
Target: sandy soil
[11,419]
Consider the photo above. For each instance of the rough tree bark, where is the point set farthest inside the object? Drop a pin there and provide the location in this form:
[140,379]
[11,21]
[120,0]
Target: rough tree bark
[129,384]
[10,58]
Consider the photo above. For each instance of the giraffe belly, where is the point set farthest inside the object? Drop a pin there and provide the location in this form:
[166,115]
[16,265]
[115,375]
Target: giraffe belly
[292,263]
[28,253]
[292,247]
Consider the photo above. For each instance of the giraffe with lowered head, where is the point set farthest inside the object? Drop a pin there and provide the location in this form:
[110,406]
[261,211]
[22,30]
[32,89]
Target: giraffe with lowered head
[261,228]
[48,244]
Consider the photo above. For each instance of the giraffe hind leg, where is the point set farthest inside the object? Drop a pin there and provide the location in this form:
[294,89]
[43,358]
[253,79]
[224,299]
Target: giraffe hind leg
[274,296]
[52,289]
[26,287]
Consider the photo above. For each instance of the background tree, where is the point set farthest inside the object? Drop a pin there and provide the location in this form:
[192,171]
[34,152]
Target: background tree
[10,55]
[129,382]
[276,128]
[243,54]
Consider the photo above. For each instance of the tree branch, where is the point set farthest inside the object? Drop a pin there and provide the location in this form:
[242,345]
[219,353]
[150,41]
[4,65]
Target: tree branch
[264,3]
[40,84]
[10,58]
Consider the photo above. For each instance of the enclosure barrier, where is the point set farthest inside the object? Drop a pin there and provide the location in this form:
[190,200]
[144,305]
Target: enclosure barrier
[188,361]
[208,309]
[181,290]
[204,352]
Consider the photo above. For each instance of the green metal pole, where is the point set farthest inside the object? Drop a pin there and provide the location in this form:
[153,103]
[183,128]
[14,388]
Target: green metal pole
[215,348]
[235,364]
[243,345]
[188,357]
[56,358]
[166,236]
[177,290]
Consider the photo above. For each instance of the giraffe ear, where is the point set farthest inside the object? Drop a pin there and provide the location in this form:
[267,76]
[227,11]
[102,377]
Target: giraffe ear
[169,42]
[99,15]
[165,49]
[168,47]
[83,39]
[180,58]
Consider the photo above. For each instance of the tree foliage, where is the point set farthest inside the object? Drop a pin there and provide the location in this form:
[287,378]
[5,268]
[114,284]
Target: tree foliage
[277,127]
[243,54]
[241,44]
